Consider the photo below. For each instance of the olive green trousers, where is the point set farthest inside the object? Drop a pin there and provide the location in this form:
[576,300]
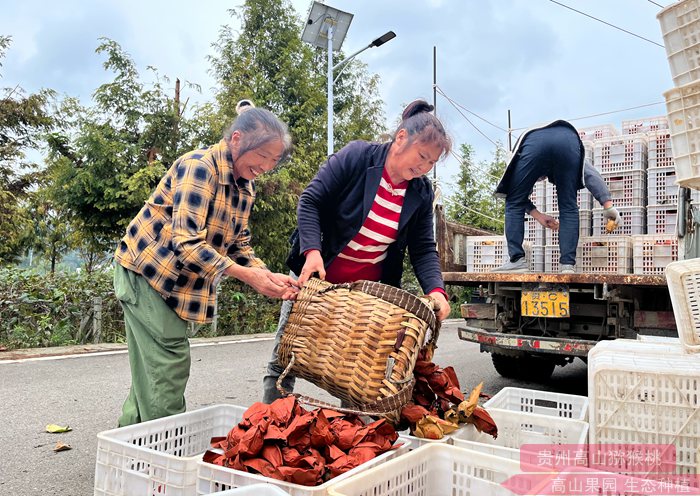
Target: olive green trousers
[159,351]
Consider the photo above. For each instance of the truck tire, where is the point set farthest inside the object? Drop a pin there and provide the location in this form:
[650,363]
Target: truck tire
[524,367]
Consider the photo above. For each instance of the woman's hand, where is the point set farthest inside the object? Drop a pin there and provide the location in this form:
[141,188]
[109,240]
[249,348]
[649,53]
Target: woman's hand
[314,263]
[441,305]
[265,282]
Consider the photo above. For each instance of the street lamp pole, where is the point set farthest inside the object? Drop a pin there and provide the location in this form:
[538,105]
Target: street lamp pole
[329,34]
[389,35]
[330,90]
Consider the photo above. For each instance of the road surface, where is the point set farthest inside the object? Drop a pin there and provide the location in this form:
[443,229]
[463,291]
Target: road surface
[86,392]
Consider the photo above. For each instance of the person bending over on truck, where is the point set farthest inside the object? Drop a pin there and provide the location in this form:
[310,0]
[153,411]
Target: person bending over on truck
[192,231]
[369,203]
[554,151]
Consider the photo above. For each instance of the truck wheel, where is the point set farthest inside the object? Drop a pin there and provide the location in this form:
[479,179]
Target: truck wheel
[508,366]
[523,367]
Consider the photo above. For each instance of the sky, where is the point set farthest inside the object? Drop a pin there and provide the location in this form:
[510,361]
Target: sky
[535,58]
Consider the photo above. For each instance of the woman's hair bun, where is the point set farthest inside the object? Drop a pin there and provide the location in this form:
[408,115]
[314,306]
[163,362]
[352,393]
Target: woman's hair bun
[244,105]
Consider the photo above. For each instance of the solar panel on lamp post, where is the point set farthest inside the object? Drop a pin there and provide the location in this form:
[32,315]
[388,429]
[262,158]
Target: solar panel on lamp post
[326,27]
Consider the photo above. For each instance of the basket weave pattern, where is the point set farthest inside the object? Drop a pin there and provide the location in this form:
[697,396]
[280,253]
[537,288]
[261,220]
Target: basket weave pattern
[345,339]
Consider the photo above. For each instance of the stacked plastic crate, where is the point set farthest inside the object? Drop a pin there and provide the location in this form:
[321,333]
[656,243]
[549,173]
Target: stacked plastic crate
[680,27]
[655,250]
[622,161]
[534,231]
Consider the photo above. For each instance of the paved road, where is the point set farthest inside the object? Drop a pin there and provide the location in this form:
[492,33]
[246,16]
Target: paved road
[86,393]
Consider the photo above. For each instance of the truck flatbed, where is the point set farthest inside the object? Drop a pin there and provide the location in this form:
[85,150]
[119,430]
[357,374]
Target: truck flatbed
[469,278]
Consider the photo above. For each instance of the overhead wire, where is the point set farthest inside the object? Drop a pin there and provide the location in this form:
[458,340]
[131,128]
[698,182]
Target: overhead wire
[459,111]
[607,23]
[599,114]
[658,5]
[439,90]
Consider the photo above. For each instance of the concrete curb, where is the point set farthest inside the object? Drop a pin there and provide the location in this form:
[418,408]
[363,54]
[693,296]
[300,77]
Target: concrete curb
[83,349]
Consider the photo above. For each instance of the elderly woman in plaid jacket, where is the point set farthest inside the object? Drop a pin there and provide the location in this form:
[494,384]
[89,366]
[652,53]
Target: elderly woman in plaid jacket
[191,232]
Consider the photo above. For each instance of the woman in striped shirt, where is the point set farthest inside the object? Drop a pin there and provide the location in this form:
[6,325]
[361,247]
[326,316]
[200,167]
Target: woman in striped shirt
[367,205]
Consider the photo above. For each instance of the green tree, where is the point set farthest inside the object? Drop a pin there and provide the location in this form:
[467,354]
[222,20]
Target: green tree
[267,62]
[472,202]
[50,234]
[109,157]
[23,120]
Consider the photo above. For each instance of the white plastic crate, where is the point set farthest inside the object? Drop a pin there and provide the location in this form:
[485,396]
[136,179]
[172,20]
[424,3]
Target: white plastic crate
[534,231]
[588,147]
[645,125]
[537,263]
[604,254]
[660,152]
[643,345]
[627,189]
[417,442]
[539,193]
[212,478]
[680,27]
[551,258]
[662,219]
[640,398]
[159,456]
[651,253]
[254,490]
[540,402]
[634,221]
[683,105]
[584,199]
[584,227]
[661,186]
[435,470]
[485,253]
[517,428]
[683,279]
[620,153]
[593,133]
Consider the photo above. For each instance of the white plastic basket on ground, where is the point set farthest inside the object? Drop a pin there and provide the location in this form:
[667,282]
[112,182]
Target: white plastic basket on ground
[213,478]
[540,402]
[417,442]
[518,428]
[254,490]
[683,107]
[647,397]
[435,470]
[683,279]
[159,456]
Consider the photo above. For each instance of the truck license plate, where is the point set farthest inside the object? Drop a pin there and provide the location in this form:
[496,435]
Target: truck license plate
[545,300]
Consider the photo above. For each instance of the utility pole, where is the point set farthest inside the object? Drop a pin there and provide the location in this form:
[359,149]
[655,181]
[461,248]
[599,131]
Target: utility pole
[510,134]
[435,96]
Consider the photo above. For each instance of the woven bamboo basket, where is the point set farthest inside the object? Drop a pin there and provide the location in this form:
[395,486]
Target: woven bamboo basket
[358,341]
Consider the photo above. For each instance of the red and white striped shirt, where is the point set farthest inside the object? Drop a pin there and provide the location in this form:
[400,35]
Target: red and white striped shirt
[362,257]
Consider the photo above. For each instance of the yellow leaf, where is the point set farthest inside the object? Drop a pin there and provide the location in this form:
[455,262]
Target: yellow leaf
[56,429]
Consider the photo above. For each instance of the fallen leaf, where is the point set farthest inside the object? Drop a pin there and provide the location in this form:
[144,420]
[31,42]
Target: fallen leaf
[57,429]
[61,447]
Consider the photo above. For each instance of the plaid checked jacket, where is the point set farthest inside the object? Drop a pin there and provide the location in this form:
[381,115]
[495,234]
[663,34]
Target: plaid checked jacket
[192,228]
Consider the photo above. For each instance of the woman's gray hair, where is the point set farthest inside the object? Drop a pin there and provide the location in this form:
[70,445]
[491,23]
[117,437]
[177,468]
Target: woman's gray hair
[257,127]
[423,126]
